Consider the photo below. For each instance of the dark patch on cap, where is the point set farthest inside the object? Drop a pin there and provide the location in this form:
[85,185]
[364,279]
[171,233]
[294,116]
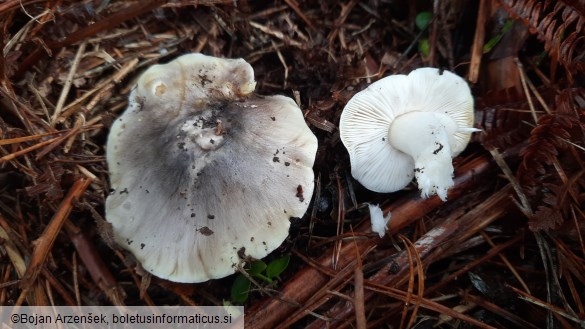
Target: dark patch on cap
[275,159]
[142,245]
[438,149]
[300,193]
[205,231]
[204,79]
[211,216]
[124,191]
[242,253]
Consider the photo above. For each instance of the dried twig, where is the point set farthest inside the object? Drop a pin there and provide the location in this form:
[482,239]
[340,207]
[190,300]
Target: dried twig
[104,24]
[68,82]
[478,40]
[305,283]
[360,310]
[45,241]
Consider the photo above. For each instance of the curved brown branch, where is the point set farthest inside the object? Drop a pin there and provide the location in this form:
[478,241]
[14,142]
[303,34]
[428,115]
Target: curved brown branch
[270,312]
[45,242]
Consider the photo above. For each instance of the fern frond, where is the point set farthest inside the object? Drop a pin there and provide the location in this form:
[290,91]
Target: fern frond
[547,140]
[500,115]
[553,163]
[560,24]
[548,215]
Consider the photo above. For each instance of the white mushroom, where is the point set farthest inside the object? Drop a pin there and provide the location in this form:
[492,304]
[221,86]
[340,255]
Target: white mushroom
[406,126]
[202,172]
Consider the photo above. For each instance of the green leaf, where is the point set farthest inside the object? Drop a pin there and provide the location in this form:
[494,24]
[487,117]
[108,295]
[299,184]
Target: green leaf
[240,289]
[277,266]
[256,268]
[489,46]
[424,47]
[423,19]
[508,26]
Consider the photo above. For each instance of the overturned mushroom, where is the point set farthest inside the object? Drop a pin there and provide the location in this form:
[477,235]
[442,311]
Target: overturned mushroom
[202,172]
[406,126]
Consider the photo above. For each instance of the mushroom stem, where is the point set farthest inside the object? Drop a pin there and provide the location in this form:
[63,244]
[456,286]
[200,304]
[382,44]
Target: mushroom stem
[428,138]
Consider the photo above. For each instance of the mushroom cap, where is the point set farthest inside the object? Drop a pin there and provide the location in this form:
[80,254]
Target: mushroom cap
[202,176]
[366,119]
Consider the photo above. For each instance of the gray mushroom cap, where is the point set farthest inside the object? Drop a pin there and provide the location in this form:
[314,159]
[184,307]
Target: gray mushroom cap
[204,174]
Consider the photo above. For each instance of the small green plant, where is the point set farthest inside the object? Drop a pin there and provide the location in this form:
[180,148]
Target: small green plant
[424,47]
[488,46]
[260,270]
[422,21]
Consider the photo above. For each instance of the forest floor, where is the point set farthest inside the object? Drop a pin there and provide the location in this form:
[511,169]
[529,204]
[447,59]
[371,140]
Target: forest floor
[506,250]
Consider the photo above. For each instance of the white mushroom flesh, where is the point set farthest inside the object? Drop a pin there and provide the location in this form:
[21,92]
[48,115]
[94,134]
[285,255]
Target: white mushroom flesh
[378,220]
[427,137]
[402,127]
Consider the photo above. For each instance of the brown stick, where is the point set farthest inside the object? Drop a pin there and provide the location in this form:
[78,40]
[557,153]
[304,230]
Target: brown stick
[426,303]
[12,156]
[270,312]
[423,247]
[518,321]
[441,235]
[102,25]
[295,6]
[11,4]
[359,304]
[96,267]
[478,41]
[45,242]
